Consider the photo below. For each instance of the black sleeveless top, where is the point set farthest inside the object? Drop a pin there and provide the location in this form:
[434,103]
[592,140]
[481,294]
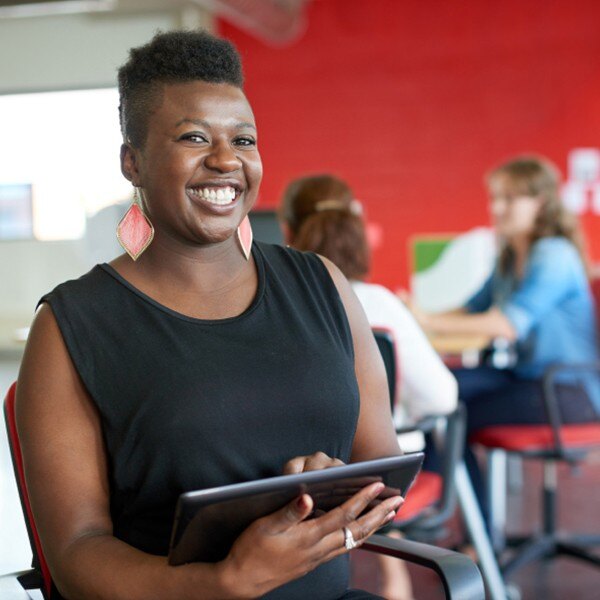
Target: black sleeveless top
[187,404]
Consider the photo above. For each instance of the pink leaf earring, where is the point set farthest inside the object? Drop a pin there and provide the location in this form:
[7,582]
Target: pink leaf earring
[244,235]
[134,231]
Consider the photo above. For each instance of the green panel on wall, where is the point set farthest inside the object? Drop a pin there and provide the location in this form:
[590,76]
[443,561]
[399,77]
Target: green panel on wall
[426,252]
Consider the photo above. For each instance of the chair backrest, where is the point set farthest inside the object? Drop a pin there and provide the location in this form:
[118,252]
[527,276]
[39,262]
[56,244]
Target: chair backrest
[595,287]
[39,562]
[453,442]
[385,342]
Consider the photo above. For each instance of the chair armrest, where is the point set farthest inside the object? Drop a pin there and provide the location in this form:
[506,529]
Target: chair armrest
[551,398]
[459,574]
[552,371]
[450,454]
[425,424]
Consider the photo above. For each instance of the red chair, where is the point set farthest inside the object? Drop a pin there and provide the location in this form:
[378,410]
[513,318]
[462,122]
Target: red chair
[458,574]
[38,577]
[551,443]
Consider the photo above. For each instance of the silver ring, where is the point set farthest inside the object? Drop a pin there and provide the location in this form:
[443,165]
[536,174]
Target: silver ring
[349,542]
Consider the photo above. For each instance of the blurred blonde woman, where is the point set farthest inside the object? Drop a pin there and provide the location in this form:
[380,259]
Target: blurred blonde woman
[538,297]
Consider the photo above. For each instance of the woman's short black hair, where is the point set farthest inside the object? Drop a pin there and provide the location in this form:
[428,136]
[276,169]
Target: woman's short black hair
[171,57]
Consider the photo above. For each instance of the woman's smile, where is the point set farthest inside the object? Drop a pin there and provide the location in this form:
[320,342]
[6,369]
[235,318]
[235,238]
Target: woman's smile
[219,197]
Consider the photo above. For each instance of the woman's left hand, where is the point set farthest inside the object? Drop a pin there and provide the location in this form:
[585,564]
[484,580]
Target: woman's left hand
[313,462]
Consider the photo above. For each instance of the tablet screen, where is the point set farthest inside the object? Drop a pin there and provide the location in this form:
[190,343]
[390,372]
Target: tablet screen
[207,522]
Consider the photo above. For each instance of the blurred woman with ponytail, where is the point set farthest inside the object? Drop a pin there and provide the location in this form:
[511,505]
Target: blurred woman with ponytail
[320,214]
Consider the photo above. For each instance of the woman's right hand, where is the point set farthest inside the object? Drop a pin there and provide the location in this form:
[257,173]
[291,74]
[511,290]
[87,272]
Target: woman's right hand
[284,545]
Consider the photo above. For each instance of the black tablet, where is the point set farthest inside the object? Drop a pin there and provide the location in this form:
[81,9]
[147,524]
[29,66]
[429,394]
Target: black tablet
[207,522]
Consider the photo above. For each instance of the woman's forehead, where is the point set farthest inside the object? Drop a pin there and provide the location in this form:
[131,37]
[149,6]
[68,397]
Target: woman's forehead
[505,184]
[196,99]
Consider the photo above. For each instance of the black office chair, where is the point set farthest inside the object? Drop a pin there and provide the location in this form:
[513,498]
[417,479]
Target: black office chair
[432,500]
[433,508]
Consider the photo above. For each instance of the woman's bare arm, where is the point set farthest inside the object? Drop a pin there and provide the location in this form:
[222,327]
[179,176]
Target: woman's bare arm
[375,436]
[66,472]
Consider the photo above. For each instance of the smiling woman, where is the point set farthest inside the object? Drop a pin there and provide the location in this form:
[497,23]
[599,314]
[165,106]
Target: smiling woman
[207,361]
[197,123]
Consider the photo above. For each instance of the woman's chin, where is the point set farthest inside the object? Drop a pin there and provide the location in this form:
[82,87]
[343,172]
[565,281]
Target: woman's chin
[210,238]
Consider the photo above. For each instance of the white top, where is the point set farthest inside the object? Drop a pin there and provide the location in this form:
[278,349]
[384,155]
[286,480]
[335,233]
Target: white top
[425,384]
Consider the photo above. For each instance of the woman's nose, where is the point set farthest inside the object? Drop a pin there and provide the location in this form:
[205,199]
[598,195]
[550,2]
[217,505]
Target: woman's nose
[223,158]
[497,207]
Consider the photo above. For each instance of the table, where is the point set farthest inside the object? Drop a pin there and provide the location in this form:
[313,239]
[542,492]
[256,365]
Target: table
[470,351]
[460,350]
[458,343]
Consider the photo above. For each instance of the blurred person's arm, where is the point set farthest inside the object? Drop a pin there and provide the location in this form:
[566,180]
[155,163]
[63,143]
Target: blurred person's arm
[551,275]
[478,317]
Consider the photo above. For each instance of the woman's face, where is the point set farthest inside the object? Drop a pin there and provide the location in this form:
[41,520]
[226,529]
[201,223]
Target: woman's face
[513,214]
[199,168]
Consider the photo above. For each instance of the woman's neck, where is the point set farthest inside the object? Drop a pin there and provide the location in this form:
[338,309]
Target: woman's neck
[520,246]
[213,282]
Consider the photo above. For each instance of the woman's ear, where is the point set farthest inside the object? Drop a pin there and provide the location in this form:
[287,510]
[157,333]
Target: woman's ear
[129,164]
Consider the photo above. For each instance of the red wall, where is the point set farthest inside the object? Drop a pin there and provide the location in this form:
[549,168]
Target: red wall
[413,101]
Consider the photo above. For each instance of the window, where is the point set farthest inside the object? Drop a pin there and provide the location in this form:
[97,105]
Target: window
[59,157]
[16,221]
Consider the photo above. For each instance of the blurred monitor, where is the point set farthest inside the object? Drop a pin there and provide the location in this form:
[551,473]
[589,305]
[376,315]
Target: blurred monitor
[16,217]
[265,226]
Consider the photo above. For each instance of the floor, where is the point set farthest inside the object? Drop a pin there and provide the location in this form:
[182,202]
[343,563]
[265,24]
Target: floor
[558,580]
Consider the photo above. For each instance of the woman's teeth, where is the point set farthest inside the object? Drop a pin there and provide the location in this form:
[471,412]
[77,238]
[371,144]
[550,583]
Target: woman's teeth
[218,195]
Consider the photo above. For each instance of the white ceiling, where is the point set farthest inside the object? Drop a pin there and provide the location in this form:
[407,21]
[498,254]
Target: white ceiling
[273,21]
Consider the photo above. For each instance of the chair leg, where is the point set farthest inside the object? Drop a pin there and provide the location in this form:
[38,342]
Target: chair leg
[514,474]
[569,549]
[540,547]
[550,544]
[549,497]
[476,528]
[585,540]
[497,464]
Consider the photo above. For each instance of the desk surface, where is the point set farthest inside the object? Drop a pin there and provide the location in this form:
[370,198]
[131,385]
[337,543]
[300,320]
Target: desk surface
[458,344]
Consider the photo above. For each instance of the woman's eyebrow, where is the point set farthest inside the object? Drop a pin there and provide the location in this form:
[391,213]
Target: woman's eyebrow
[244,125]
[206,124]
[200,122]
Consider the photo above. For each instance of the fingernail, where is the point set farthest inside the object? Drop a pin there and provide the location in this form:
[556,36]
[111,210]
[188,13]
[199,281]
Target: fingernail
[399,502]
[301,503]
[390,516]
[378,487]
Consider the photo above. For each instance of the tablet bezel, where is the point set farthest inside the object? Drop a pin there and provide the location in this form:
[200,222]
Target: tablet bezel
[284,488]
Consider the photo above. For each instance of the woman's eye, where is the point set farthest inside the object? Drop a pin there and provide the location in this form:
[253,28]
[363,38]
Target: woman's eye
[197,138]
[244,141]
